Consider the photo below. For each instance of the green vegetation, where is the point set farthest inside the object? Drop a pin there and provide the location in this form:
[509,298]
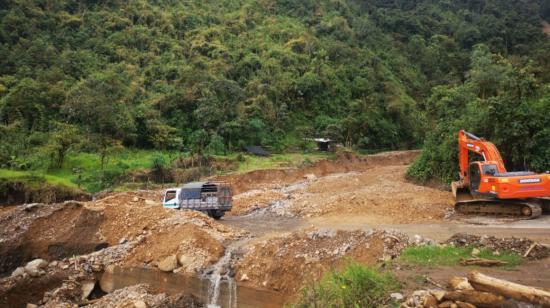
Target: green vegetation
[355,286]
[451,256]
[80,78]
[32,177]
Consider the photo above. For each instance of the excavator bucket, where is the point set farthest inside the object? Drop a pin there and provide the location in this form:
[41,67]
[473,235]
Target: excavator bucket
[461,192]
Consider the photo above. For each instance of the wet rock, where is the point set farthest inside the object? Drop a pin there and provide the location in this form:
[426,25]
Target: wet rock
[168,264]
[36,267]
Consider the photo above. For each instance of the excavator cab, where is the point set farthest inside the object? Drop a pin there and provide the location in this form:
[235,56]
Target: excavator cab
[475,177]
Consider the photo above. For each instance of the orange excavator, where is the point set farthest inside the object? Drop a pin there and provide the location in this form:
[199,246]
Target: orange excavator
[485,187]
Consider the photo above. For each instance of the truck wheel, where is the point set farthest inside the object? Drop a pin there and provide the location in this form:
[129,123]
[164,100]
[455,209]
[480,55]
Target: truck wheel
[216,214]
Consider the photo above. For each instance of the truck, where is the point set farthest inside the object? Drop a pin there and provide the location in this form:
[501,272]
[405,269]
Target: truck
[212,198]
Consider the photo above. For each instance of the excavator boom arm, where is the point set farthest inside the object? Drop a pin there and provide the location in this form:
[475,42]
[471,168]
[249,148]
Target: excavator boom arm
[469,142]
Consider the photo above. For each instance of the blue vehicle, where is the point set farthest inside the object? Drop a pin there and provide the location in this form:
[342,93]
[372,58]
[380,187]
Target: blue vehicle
[212,198]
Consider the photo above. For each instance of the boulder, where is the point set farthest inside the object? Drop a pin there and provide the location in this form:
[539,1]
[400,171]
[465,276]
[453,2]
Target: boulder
[87,287]
[186,261]
[18,272]
[168,264]
[36,267]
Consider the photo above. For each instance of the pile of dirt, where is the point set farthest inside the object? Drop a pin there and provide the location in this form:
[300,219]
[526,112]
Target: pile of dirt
[518,245]
[143,295]
[283,264]
[128,215]
[194,249]
[382,193]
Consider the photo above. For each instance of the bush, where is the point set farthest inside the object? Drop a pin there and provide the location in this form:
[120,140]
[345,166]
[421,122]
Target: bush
[355,286]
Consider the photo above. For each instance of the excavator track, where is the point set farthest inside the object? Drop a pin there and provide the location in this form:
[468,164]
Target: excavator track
[523,209]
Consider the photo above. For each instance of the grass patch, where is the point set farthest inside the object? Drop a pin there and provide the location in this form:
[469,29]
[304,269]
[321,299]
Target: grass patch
[35,177]
[355,286]
[250,162]
[450,256]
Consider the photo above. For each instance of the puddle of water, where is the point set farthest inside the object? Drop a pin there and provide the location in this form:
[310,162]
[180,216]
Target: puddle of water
[230,295]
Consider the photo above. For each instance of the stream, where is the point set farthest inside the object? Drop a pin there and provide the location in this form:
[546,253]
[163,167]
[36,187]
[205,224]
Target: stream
[229,293]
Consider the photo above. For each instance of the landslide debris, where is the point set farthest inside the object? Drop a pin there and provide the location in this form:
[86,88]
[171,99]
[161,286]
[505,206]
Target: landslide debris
[285,263]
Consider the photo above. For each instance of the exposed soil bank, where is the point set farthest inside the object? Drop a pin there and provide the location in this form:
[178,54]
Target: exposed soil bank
[14,192]
[50,232]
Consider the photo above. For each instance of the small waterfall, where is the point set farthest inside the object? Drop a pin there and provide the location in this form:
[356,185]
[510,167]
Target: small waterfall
[221,271]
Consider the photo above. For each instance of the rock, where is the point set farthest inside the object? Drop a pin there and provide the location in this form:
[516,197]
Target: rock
[430,301]
[97,267]
[139,304]
[87,287]
[35,267]
[135,199]
[186,261]
[18,272]
[150,202]
[244,277]
[31,206]
[310,177]
[53,264]
[29,305]
[475,252]
[168,264]
[122,240]
[65,266]
[396,296]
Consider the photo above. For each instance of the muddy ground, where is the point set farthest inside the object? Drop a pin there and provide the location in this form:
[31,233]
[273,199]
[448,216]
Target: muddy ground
[287,227]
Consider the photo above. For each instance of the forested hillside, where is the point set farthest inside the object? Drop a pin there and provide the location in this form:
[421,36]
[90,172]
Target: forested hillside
[209,76]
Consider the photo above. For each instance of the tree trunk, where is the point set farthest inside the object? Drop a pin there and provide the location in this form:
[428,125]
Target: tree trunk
[509,289]
[477,298]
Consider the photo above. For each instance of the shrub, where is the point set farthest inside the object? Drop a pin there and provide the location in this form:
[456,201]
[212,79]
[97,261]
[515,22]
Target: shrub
[356,286]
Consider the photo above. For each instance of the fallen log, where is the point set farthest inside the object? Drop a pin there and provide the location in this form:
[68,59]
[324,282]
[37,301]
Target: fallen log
[482,262]
[516,291]
[459,283]
[476,298]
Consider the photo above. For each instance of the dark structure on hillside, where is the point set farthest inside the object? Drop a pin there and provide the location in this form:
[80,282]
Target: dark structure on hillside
[324,144]
[256,150]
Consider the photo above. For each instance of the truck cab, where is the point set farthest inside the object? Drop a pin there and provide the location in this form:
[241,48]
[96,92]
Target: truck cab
[170,199]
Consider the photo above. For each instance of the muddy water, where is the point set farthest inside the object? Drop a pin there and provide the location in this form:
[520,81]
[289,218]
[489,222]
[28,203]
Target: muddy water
[229,296]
